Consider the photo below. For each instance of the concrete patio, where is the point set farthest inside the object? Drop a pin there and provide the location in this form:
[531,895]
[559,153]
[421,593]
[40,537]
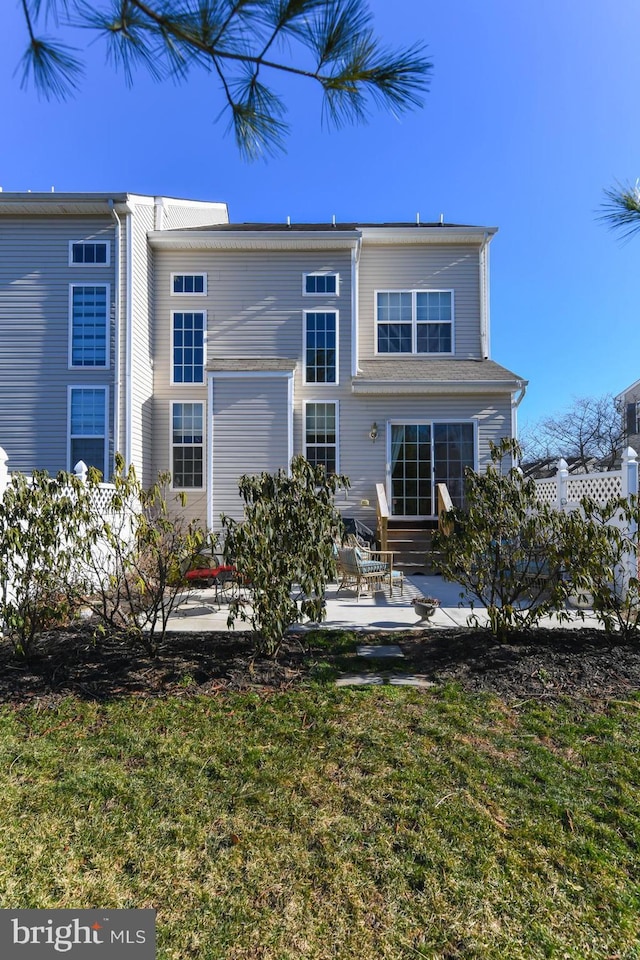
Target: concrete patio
[373,612]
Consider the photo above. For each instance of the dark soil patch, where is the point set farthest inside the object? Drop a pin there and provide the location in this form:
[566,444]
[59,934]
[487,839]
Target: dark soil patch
[545,663]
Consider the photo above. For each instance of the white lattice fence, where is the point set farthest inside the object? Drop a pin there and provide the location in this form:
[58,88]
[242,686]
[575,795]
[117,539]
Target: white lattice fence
[566,490]
[547,491]
[597,486]
[102,552]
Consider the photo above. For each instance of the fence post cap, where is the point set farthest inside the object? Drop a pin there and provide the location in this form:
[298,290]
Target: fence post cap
[562,464]
[4,456]
[81,470]
[629,454]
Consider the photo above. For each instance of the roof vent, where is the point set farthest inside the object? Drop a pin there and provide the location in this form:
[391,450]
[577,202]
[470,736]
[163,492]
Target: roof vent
[442,219]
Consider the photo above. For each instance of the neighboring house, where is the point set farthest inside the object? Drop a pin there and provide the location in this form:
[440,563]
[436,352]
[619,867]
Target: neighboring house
[154,327]
[629,401]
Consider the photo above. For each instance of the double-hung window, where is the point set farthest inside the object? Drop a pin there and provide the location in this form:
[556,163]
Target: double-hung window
[89,310]
[187,444]
[321,347]
[89,252]
[88,426]
[321,435]
[414,321]
[188,347]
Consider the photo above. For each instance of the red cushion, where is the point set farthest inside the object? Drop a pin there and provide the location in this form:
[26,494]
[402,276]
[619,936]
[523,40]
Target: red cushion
[209,573]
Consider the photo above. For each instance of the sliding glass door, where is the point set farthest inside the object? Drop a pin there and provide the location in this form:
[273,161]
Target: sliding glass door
[422,455]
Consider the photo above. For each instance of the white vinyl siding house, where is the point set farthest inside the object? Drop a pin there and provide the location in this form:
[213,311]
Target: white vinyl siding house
[152,327]
[300,306]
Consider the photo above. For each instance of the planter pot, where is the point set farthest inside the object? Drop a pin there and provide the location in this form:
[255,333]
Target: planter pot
[424,610]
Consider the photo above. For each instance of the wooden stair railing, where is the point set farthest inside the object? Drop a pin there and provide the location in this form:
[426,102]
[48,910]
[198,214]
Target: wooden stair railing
[382,511]
[444,505]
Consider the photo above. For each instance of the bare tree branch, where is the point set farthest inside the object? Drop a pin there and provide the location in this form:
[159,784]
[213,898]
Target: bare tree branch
[590,435]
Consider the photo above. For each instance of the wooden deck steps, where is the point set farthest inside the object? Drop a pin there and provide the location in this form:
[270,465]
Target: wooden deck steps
[411,542]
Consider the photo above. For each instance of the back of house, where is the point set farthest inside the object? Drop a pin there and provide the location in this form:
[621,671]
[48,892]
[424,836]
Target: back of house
[156,328]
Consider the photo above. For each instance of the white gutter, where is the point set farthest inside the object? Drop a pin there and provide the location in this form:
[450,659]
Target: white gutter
[515,403]
[210,451]
[117,403]
[355,307]
[484,297]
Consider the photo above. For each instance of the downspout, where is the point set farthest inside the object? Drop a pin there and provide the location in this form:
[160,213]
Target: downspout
[117,403]
[484,297]
[128,343]
[210,389]
[515,403]
[355,306]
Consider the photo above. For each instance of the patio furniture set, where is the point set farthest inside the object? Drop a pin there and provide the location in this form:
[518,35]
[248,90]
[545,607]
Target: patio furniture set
[359,568]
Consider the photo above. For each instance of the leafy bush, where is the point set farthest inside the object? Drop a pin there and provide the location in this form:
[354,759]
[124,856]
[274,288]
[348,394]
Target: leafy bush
[286,540]
[140,551]
[603,561]
[40,520]
[67,542]
[505,548]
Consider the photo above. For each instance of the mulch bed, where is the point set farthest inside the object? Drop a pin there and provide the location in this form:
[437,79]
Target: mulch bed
[581,663]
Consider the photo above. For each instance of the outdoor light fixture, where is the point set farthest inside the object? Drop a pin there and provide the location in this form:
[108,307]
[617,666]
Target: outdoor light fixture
[373,433]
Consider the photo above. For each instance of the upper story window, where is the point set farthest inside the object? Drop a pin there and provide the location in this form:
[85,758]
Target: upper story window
[88,426]
[414,321]
[89,304]
[189,284]
[188,347]
[321,347]
[90,252]
[320,284]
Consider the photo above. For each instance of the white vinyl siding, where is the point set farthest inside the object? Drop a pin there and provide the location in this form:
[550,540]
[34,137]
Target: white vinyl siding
[251,432]
[87,427]
[409,267]
[89,325]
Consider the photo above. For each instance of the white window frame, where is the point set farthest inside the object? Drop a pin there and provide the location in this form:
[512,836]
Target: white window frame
[432,422]
[173,293]
[317,383]
[172,445]
[414,323]
[105,390]
[97,366]
[84,243]
[326,401]
[320,273]
[194,383]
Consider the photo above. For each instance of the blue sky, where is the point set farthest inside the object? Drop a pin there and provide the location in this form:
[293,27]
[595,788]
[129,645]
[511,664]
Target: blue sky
[533,110]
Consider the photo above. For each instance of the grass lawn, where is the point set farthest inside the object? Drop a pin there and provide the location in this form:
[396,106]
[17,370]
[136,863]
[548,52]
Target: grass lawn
[333,823]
